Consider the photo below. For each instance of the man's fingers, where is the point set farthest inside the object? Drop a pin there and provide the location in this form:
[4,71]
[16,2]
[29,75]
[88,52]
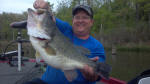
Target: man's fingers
[36,4]
[40,4]
[88,70]
[95,59]
[88,73]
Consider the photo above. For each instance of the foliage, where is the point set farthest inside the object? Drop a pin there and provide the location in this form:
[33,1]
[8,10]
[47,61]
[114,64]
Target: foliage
[64,12]
[115,21]
[5,19]
[143,7]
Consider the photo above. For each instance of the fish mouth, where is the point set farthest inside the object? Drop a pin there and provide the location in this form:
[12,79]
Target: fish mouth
[42,39]
[40,35]
[37,11]
[31,12]
[39,38]
[34,26]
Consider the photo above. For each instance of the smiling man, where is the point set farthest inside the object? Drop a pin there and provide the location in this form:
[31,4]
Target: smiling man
[79,34]
[82,21]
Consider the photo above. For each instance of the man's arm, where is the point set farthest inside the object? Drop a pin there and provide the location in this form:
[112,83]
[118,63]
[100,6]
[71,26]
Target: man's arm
[63,26]
[97,54]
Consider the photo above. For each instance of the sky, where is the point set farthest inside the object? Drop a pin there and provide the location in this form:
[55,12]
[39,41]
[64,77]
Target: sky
[19,6]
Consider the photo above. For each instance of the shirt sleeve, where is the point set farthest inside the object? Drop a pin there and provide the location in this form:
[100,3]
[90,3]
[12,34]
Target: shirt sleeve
[63,26]
[98,51]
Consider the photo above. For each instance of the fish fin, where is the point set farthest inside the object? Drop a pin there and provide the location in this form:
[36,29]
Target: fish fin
[50,50]
[82,50]
[70,74]
[38,57]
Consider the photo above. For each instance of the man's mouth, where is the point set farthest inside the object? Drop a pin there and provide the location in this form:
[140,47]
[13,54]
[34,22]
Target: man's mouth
[81,25]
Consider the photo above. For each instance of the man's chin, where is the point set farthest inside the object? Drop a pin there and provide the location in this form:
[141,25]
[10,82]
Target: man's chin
[82,35]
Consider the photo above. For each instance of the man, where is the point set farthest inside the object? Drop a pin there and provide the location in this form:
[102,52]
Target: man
[79,33]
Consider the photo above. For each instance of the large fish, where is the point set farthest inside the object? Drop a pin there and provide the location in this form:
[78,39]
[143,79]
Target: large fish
[56,49]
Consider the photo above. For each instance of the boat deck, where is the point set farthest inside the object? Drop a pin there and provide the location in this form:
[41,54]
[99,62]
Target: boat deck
[10,75]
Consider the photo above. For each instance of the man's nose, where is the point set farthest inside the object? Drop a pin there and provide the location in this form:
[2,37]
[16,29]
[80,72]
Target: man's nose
[80,20]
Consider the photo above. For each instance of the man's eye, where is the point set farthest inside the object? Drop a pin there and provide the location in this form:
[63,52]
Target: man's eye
[77,17]
[83,17]
[86,17]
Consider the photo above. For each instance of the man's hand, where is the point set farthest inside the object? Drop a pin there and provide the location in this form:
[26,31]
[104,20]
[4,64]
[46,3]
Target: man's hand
[88,72]
[40,4]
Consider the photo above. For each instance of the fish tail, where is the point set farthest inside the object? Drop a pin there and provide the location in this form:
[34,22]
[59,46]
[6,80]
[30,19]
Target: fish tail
[103,70]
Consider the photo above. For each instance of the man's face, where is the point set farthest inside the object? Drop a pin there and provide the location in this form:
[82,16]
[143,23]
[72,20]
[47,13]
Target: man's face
[82,23]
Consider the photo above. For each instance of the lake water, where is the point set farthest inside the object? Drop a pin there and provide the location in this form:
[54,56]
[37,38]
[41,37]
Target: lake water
[127,65]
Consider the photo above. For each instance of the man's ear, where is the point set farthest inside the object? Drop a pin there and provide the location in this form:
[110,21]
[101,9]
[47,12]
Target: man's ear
[92,22]
[72,19]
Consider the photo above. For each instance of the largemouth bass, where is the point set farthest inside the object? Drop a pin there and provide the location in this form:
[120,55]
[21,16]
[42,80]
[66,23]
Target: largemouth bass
[56,49]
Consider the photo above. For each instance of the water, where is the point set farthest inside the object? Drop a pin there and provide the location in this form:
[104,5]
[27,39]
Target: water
[127,65]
